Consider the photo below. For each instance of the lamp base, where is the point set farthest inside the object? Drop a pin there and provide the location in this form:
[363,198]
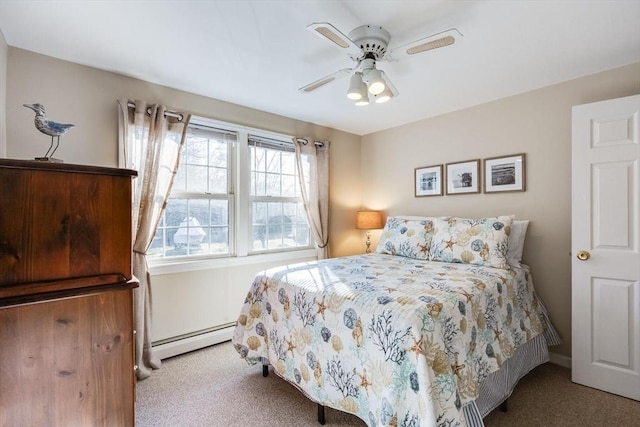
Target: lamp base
[368,243]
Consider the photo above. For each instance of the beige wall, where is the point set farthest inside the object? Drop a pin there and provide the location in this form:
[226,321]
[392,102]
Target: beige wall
[375,171]
[185,302]
[537,123]
[3,94]
[87,97]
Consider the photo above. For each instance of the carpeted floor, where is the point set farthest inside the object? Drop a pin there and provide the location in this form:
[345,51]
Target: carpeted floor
[214,387]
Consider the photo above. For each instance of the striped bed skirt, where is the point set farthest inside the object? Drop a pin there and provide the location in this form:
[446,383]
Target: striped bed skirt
[499,385]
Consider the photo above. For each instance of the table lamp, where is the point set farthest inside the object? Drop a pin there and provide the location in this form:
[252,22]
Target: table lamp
[368,220]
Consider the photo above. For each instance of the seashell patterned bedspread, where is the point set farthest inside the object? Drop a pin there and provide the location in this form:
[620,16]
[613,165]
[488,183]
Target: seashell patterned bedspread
[393,340]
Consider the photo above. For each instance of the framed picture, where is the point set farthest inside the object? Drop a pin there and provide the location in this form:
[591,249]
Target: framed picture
[463,177]
[502,174]
[429,181]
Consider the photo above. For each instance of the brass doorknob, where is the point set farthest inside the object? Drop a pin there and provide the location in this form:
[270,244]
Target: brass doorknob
[583,255]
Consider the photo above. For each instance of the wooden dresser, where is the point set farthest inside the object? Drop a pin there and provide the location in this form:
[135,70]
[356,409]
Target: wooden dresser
[66,295]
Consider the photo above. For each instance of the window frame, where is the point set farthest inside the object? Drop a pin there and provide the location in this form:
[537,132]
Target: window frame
[229,196]
[240,206]
[280,146]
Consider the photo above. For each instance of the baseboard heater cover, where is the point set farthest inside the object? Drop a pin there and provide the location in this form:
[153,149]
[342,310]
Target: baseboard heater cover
[167,349]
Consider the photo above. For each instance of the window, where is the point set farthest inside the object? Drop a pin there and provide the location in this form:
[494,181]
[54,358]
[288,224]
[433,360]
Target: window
[278,218]
[229,181]
[198,216]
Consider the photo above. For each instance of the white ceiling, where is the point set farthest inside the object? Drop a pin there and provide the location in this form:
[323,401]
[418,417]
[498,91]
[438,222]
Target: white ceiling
[258,53]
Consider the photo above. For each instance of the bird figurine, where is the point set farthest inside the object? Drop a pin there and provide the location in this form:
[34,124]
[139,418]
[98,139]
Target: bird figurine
[48,127]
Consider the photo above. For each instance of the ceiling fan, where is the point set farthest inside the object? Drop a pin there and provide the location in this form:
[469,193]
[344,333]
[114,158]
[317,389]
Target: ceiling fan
[367,45]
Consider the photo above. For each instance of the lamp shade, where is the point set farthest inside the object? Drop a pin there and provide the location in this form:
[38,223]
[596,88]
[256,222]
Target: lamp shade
[384,96]
[376,82]
[355,91]
[368,220]
[363,101]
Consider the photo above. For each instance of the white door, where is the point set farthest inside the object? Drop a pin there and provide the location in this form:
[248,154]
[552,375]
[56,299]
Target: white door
[605,237]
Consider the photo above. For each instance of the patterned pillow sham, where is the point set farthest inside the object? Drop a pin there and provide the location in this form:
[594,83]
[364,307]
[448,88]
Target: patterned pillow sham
[409,238]
[482,241]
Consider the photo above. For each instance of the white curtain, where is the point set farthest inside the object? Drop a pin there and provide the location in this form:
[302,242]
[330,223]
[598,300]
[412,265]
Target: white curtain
[150,142]
[316,200]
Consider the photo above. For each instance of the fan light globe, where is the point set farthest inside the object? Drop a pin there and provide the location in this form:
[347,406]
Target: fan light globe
[355,87]
[384,96]
[363,101]
[376,83]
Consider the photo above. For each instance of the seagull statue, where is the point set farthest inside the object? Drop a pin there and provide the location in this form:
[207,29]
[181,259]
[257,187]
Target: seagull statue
[48,127]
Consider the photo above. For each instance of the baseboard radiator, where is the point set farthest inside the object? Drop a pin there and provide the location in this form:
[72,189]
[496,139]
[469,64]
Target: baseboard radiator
[194,341]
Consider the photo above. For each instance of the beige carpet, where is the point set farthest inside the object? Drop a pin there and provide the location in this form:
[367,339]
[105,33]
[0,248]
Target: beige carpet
[214,387]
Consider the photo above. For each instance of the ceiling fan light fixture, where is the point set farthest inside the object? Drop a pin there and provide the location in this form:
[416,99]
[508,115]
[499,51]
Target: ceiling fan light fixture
[376,82]
[356,85]
[367,45]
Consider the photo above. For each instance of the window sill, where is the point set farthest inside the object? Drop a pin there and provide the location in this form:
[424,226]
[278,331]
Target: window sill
[208,264]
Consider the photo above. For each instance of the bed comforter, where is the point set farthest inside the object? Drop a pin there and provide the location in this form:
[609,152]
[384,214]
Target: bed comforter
[393,340]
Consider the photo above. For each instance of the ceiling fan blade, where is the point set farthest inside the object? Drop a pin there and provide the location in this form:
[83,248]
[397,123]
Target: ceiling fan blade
[390,84]
[435,41]
[326,80]
[331,33]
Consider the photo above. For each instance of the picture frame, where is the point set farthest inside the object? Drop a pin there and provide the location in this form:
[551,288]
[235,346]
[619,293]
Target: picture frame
[429,181]
[505,173]
[463,177]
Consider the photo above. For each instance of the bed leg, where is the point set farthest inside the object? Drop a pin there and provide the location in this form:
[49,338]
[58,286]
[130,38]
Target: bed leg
[265,367]
[504,406]
[321,419]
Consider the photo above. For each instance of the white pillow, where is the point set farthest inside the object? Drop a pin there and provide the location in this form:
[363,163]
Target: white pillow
[516,242]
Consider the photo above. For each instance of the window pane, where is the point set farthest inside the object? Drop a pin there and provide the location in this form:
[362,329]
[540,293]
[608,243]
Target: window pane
[273,185]
[253,184]
[289,163]
[195,151]
[301,227]
[279,225]
[289,186]
[219,231]
[188,236]
[219,212]
[218,153]
[199,210]
[259,217]
[217,180]
[219,240]
[175,212]
[273,161]
[196,178]
[157,246]
[259,159]
[260,184]
[170,247]
[180,181]
[276,225]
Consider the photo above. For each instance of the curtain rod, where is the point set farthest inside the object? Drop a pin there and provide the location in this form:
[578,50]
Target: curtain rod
[166,113]
[316,143]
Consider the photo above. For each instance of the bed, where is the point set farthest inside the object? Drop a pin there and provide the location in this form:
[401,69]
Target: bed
[434,329]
